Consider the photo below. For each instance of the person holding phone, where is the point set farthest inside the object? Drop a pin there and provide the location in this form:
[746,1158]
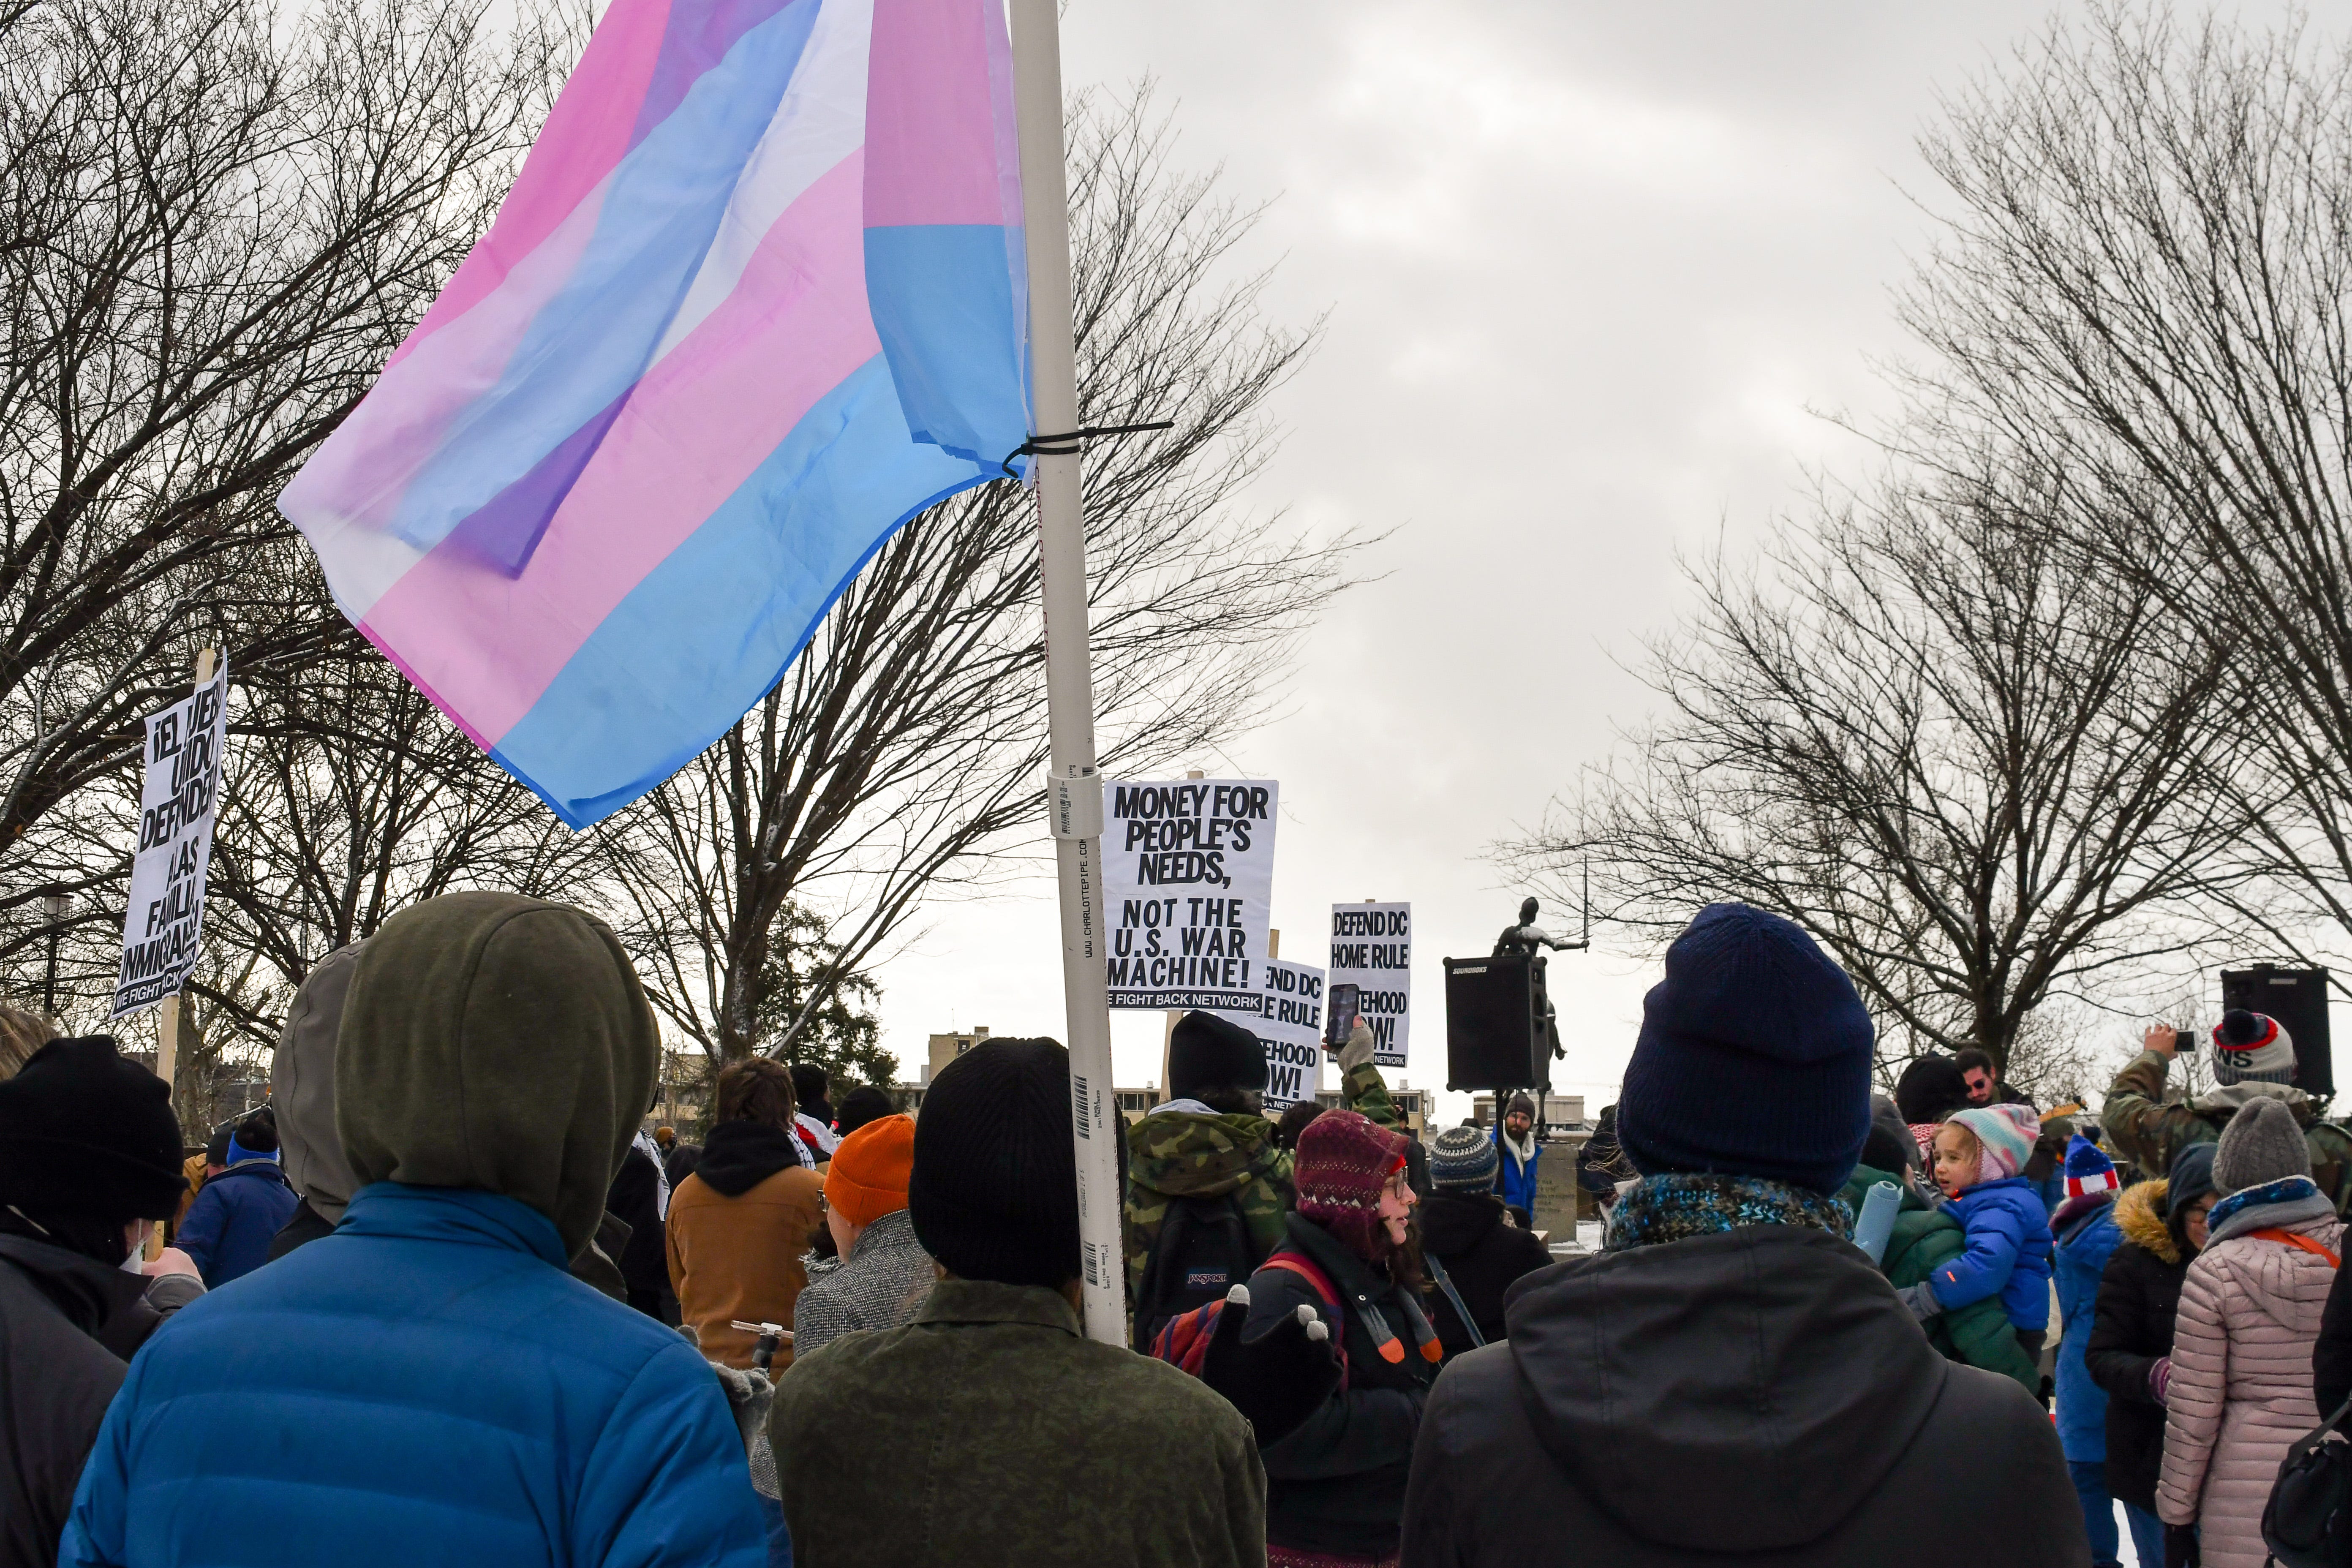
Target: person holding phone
[2254,1059]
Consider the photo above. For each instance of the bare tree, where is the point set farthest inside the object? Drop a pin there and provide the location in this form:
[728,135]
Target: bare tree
[2146,284]
[1981,778]
[215,224]
[904,752]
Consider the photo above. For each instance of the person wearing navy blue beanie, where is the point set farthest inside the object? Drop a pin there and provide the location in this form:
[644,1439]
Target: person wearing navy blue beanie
[1729,1379]
[1753,1059]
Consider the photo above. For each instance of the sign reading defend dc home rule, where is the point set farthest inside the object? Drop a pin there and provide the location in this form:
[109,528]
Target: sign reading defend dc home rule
[1372,949]
[166,918]
[1291,1029]
[1188,877]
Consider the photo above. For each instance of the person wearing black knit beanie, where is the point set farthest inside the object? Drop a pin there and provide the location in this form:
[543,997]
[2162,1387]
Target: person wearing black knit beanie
[89,1153]
[1041,1415]
[1730,1379]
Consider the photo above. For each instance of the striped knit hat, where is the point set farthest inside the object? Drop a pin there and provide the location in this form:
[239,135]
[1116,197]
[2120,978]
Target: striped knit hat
[1462,1160]
[1341,1164]
[2251,1047]
[2005,1134]
[2088,1169]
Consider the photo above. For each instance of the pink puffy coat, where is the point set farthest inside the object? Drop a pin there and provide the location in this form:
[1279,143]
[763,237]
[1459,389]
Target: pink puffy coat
[2241,1389]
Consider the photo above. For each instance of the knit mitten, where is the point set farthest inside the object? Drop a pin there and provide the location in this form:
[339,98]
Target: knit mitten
[1277,1379]
[1920,1300]
[1357,1051]
[748,1395]
[2159,1378]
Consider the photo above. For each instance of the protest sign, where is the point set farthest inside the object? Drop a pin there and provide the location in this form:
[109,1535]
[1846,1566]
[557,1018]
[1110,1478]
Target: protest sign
[1372,949]
[1291,1027]
[164,922]
[1188,877]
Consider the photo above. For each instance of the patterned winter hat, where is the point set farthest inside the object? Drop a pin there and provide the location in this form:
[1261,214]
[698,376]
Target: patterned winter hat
[2251,1047]
[2088,1169]
[1342,1163]
[2005,1134]
[1462,1160]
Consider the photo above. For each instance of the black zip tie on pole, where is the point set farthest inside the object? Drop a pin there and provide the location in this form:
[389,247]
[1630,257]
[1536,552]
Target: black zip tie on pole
[1071,443]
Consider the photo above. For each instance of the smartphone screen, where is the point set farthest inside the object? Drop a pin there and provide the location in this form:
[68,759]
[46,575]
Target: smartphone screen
[1338,1014]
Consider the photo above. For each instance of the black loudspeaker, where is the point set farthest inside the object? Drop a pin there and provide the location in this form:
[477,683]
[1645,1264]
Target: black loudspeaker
[2297,999]
[1490,1034]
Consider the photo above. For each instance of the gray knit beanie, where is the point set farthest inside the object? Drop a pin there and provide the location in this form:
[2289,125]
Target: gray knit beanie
[2261,1143]
[1462,1160]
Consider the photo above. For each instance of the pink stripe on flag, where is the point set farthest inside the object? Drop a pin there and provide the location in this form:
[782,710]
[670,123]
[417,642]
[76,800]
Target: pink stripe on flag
[930,139]
[585,137]
[397,429]
[698,425]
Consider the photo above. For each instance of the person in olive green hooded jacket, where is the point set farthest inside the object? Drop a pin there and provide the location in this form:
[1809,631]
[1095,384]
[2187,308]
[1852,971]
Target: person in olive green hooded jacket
[1212,1140]
[427,1384]
[1924,1239]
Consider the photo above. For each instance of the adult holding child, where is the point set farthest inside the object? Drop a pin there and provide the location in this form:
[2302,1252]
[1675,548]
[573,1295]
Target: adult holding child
[1730,1380]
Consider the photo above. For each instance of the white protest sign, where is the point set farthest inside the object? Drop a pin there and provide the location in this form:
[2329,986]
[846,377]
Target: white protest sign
[1291,1029]
[1372,949]
[165,919]
[1188,878]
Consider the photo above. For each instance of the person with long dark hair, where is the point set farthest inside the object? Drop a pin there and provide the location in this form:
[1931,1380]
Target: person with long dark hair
[1335,1485]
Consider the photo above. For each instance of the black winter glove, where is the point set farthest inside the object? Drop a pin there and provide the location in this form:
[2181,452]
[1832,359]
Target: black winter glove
[1277,1379]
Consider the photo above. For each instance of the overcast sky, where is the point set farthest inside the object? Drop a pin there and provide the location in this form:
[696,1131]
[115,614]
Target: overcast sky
[1593,273]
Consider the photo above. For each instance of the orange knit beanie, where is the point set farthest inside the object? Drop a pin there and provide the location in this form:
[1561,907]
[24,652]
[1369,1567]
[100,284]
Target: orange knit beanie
[868,1178]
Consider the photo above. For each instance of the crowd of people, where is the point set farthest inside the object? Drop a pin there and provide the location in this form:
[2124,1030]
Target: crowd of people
[449,1296]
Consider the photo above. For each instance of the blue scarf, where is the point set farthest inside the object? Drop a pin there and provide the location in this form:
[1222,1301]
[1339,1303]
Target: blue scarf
[2285,1190]
[1657,1210]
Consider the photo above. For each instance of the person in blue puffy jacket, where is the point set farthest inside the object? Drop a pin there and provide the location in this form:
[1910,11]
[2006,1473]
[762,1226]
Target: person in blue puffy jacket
[427,1384]
[2087,1235]
[230,1225]
[1516,1154]
[1978,1154]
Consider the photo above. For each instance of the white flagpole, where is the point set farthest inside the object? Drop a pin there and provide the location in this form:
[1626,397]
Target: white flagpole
[1069,680]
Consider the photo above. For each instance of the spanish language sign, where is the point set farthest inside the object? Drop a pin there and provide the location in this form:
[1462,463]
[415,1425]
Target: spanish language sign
[167,916]
[1372,949]
[1188,876]
[1290,1027]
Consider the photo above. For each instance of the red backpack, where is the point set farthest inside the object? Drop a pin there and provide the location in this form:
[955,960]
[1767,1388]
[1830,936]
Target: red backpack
[1184,1342]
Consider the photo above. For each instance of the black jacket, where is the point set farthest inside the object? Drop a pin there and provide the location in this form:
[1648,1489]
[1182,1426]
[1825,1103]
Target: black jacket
[303,1226]
[635,1200]
[2331,1356]
[55,1382]
[1755,1396]
[2131,1327]
[1336,1484]
[1465,1231]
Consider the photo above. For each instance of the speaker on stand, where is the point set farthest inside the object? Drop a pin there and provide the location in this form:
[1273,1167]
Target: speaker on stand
[2297,999]
[1492,1034]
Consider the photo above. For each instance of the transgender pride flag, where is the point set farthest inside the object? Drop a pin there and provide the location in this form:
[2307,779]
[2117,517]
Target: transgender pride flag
[758,297]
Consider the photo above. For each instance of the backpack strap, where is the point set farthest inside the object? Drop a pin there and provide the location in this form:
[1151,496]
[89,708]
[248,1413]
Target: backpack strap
[2272,1233]
[1470,1324]
[1307,1268]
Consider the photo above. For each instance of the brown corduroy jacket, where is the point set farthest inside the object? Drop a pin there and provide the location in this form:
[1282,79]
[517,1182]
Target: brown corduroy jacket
[739,1259]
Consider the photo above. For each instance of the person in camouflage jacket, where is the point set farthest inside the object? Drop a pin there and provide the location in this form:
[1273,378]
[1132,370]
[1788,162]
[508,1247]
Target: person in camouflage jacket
[2149,1128]
[1214,1140]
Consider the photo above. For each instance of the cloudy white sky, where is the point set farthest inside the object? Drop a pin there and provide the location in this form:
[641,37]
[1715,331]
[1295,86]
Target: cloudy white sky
[1594,273]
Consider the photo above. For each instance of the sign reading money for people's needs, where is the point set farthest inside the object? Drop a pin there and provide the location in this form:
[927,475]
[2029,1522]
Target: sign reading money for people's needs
[1372,949]
[165,920]
[1188,878]
[1290,1027]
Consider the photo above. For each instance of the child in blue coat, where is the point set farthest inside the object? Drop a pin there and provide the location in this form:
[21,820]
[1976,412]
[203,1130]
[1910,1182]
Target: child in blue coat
[1979,1152]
